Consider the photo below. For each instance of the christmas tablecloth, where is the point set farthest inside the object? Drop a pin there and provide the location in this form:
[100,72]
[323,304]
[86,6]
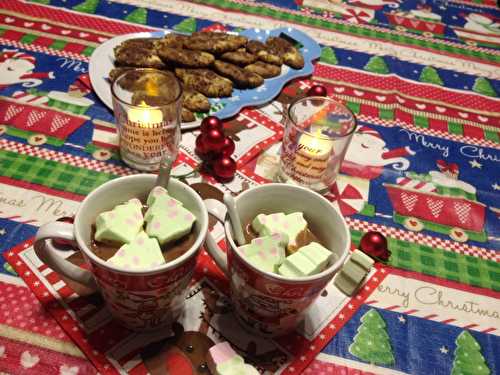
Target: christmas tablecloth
[423,79]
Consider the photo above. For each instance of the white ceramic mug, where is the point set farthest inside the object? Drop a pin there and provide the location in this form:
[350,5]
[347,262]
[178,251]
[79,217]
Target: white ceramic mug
[141,300]
[268,303]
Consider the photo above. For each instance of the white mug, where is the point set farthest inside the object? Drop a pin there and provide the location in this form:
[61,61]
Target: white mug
[140,300]
[267,303]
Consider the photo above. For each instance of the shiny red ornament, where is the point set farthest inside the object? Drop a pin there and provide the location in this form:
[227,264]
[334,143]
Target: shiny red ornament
[224,168]
[210,123]
[228,148]
[200,147]
[214,140]
[374,244]
[317,90]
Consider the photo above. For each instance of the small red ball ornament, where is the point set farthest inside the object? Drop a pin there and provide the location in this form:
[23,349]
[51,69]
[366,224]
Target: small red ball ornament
[224,168]
[214,140]
[317,90]
[228,148]
[374,244]
[200,148]
[210,123]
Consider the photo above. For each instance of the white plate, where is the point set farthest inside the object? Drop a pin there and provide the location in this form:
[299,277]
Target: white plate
[102,62]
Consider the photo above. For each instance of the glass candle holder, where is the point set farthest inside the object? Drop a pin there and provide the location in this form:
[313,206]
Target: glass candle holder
[318,131]
[147,105]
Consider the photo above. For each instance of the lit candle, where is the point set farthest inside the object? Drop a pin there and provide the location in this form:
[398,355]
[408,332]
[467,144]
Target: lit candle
[141,136]
[145,115]
[311,159]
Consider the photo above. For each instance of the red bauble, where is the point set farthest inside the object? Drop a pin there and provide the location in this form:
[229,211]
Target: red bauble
[60,242]
[224,168]
[374,244]
[200,147]
[210,123]
[228,148]
[214,140]
[317,90]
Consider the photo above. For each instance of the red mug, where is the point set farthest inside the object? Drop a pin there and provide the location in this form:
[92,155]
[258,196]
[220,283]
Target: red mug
[140,300]
[267,303]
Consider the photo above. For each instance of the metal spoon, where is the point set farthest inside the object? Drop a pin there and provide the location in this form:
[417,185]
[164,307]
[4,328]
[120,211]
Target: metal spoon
[234,218]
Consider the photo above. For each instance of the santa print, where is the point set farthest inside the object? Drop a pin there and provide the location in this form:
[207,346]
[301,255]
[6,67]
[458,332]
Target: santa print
[17,67]
[367,155]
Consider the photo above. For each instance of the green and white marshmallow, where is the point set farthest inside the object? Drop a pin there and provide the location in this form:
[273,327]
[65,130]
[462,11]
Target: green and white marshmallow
[265,253]
[308,260]
[121,224]
[291,224]
[166,218]
[142,253]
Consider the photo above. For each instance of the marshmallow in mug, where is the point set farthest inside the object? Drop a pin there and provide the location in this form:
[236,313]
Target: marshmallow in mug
[166,218]
[308,260]
[292,225]
[266,253]
[142,253]
[121,224]
[223,360]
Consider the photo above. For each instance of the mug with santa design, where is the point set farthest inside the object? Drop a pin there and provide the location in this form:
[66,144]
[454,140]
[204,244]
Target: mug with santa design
[318,131]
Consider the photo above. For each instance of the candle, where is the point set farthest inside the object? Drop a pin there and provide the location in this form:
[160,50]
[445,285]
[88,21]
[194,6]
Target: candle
[141,136]
[145,115]
[311,158]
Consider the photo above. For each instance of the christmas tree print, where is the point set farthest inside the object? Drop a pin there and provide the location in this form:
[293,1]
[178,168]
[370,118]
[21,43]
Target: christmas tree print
[139,15]
[328,56]
[44,2]
[186,26]
[88,6]
[483,86]
[372,343]
[430,75]
[376,64]
[468,358]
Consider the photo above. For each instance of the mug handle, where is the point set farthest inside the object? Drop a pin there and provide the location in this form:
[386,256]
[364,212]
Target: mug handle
[218,210]
[47,253]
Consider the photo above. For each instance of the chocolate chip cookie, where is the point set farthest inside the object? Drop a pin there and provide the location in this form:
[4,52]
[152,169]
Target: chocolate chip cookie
[205,81]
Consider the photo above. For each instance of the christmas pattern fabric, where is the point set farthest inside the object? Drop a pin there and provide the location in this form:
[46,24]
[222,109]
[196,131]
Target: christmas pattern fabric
[422,169]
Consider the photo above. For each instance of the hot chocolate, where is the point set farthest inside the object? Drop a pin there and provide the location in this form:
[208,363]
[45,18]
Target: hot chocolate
[141,235]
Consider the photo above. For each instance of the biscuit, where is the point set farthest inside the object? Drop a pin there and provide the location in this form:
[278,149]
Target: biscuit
[241,78]
[116,72]
[240,58]
[205,81]
[187,115]
[290,55]
[195,101]
[263,69]
[216,43]
[137,56]
[172,40]
[185,57]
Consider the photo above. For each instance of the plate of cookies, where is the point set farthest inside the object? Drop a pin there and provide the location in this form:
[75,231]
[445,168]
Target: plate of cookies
[221,73]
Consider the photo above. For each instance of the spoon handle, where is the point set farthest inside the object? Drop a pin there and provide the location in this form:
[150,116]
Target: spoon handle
[235,218]
[164,172]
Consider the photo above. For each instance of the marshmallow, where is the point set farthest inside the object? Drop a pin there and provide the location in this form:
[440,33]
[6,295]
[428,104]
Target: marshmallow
[223,360]
[158,199]
[353,272]
[308,260]
[142,253]
[265,253]
[166,219]
[121,224]
[292,225]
